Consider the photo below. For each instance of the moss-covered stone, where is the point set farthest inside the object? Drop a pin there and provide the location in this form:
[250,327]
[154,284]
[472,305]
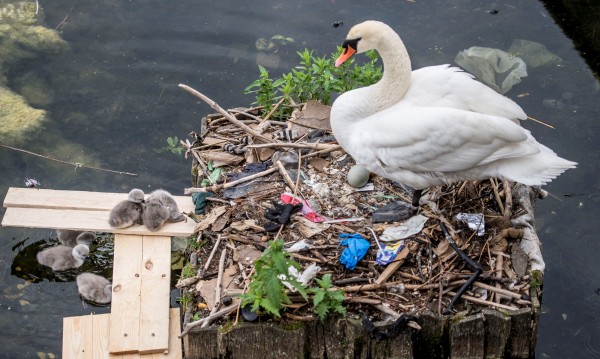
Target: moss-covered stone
[18,119]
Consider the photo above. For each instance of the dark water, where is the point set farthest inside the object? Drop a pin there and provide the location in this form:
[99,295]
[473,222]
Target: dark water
[116,100]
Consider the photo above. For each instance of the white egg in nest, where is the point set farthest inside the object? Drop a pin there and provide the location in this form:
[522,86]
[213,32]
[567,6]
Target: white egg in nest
[358,176]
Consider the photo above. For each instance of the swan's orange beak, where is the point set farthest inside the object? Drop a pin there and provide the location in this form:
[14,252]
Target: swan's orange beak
[348,52]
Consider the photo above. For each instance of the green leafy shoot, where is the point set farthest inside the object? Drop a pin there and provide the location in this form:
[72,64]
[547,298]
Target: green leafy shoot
[325,300]
[214,174]
[266,291]
[314,78]
[172,146]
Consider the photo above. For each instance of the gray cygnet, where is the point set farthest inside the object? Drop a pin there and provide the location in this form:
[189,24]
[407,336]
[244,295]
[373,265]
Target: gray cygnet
[154,214]
[68,237]
[61,257]
[129,212]
[94,288]
[160,207]
[167,200]
[72,238]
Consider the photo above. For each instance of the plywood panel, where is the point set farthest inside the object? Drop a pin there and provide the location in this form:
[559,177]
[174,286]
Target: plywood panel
[155,294]
[125,306]
[100,336]
[83,200]
[96,221]
[94,329]
[77,338]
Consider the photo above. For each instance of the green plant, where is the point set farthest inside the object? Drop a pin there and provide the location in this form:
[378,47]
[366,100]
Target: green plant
[214,174]
[188,271]
[172,146]
[315,78]
[266,291]
[326,300]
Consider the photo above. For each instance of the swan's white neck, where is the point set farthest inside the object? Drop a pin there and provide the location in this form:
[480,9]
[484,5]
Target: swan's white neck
[396,78]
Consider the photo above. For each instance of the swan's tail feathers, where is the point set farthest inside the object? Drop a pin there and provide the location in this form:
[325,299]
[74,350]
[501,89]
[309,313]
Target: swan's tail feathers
[536,170]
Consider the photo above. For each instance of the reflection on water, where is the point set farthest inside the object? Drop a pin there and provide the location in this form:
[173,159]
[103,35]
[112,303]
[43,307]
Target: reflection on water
[115,99]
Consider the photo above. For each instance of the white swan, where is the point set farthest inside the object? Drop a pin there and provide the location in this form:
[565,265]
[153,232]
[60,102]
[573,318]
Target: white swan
[435,125]
[61,257]
[94,288]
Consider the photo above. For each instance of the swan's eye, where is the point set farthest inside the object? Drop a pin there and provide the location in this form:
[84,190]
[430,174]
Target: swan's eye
[353,43]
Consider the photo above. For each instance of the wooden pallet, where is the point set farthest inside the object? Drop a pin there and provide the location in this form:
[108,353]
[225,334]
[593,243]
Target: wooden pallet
[140,323]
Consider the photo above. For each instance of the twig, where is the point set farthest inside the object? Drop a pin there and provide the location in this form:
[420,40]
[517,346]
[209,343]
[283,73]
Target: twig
[67,16]
[211,317]
[212,253]
[273,110]
[219,286]
[504,292]
[314,146]
[216,187]
[77,165]
[202,165]
[485,302]
[497,195]
[226,114]
[286,176]
[540,122]
[508,199]
[308,126]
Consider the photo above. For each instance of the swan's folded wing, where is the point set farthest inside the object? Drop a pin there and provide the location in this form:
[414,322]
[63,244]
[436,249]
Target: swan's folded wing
[440,139]
[445,86]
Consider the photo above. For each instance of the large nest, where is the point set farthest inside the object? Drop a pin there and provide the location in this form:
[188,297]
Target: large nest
[426,273]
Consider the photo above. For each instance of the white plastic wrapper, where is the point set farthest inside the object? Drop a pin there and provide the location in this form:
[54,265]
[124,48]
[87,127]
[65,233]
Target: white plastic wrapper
[498,69]
[411,226]
[305,277]
[475,221]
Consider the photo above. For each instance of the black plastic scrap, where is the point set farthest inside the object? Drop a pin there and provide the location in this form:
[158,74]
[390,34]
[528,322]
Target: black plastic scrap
[280,214]
[470,262]
[389,331]
[393,212]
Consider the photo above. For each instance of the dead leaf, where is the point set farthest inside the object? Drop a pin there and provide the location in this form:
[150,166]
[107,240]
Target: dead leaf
[207,288]
[210,218]
[220,158]
[222,221]
[245,225]
[246,254]
[319,163]
[314,115]
[308,228]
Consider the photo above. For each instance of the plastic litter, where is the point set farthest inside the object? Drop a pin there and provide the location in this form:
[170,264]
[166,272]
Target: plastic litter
[306,211]
[388,251]
[498,69]
[199,200]
[299,246]
[304,278]
[411,226]
[475,221]
[533,53]
[357,248]
[392,212]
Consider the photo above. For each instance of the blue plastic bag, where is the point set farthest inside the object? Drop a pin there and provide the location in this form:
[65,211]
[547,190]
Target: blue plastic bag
[357,248]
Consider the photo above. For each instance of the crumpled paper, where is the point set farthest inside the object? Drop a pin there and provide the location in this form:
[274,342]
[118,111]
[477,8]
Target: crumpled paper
[498,69]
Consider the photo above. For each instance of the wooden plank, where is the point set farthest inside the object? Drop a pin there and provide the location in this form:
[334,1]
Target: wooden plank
[82,200]
[174,340]
[125,306]
[77,338]
[96,221]
[100,336]
[155,295]
[97,332]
